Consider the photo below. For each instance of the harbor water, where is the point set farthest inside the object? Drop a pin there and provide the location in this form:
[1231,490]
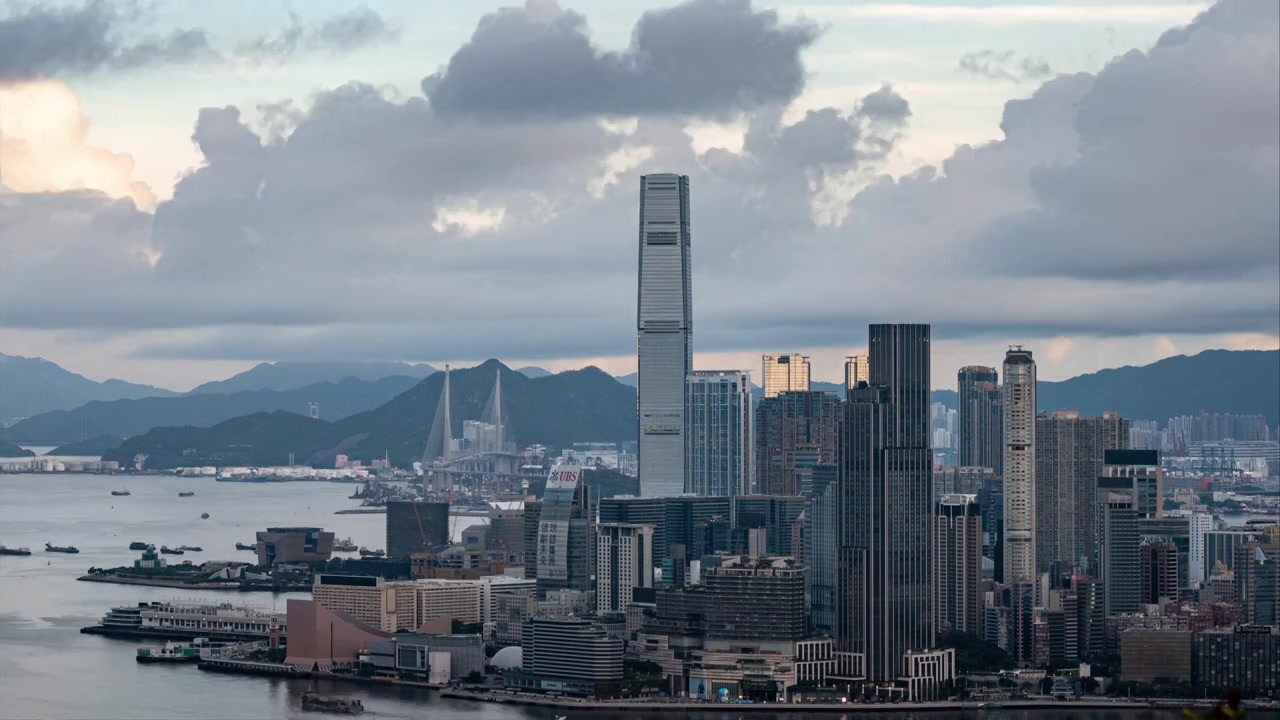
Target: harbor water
[49,670]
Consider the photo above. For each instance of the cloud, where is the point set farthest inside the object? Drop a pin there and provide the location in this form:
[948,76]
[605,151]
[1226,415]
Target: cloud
[355,29]
[1004,15]
[1006,65]
[699,58]
[43,41]
[44,147]
[339,34]
[1133,201]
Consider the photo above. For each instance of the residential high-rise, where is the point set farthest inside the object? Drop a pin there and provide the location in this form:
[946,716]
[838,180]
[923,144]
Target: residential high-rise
[664,324]
[885,566]
[1069,457]
[981,442]
[720,442]
[794,432]
[624,562]
[857,369]
[1200,525]
[957,542]
[785,373]
[1019,422]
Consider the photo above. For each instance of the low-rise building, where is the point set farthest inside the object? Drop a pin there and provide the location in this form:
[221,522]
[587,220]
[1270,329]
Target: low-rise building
[1150,656]
[294,545]
[428,657]
[1247,658]
[574,656]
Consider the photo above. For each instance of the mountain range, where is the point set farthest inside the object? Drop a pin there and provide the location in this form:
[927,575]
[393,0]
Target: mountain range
[125,418]
[554,410]
[29,386]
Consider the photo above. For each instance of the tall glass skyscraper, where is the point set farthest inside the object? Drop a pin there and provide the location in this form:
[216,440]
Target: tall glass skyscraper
[664,330]
[884,560]
[720,433]
[981,443]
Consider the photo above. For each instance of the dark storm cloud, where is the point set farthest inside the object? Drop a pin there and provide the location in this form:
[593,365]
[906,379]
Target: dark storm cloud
[703,57]
[43,40]
[1004,65]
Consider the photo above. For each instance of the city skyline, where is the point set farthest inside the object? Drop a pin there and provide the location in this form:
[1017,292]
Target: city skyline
[533,177]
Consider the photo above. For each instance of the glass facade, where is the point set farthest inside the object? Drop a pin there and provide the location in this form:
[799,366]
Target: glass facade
[720,443]
[785,373]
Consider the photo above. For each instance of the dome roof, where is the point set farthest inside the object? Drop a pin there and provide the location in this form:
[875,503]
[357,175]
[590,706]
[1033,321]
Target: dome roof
[508,658]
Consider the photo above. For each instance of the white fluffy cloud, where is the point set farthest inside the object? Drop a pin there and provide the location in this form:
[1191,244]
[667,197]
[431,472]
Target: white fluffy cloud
[1138,200]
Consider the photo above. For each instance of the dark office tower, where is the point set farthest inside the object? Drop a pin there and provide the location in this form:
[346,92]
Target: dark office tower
[416,527]
[820,551]
[566,543]
[794,432]
[1159,573]
[1256,582]
[664,329]
[957,561]
[1091,617]
[1118,553]
[885,569]
[991,502]
[981,441]
[775,514]
[1069,457]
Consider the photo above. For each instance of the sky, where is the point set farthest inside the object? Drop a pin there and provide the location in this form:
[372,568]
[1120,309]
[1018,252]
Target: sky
[187,189]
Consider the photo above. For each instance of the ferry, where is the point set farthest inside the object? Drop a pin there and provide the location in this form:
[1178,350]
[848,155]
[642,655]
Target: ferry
[345,546]
[166,550]
[246,546]
[120,493]
[191,548]
[70,550]
[366,552]
[6,550]
[172,652]
[314,702]
[140,546]
[204,516]
[189,493]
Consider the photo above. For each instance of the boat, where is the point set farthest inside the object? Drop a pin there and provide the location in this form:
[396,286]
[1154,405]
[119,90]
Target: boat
[140,546]
[166,550]
[204,516]
[366,552]
[245,546]
[6,550]
[172,652]
[345,546]
[70,550]
[189,493]
[315,702]
[120,493]
[191,548]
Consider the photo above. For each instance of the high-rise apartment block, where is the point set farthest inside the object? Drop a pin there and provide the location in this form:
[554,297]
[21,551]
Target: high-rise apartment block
[1069,457]
[957,542]
[980,442]
[720,441]
[664,325]
[624,561]
[1019,421]
[857,369]
[885,565]
[784,373]
[794,432]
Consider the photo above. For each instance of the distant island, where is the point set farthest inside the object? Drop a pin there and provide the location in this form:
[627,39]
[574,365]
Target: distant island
[10,450]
